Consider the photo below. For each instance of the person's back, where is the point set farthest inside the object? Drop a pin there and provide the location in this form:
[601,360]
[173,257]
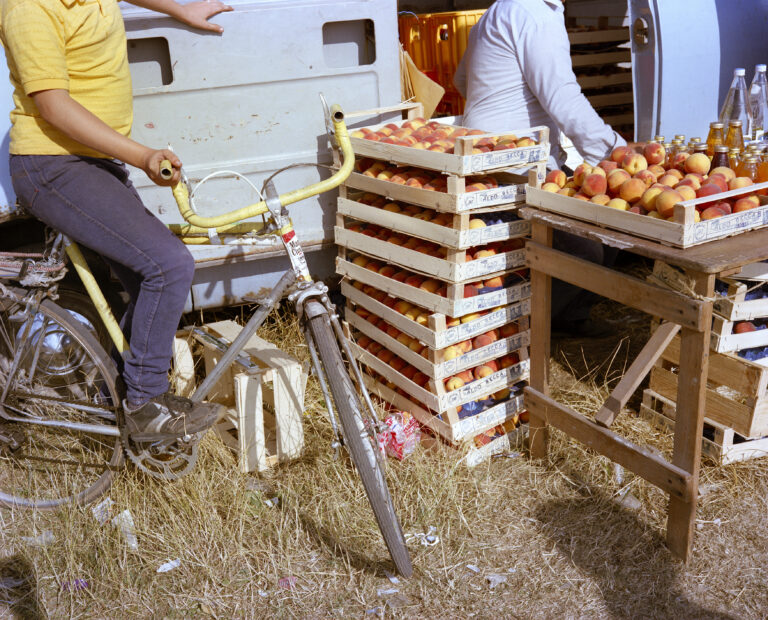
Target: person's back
[516,73]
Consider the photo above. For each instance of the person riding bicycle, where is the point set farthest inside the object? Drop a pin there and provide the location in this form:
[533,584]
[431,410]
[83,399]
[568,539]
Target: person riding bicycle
[70,135]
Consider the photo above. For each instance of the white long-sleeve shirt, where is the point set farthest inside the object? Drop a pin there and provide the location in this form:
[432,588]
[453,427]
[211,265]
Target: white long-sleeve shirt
[517,73]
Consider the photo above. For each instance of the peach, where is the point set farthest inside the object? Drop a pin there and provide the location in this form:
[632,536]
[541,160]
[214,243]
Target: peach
[724,206]
[708,189]
[451,352]
[728,173]
[465,346]
[557,177]
[496,282]
[510,359]
[654,153]
[414,280]
[581,173]
[618,203]
[632,190]
[666,201]
[388,270]
[600,199]
[551,187]
[486,253]
[385,356]
[430,285]
[404,339]
[634,163]
[594,184]
[414,345]
[619,153]
[421,379]
[608,165]
[648,199]
[600,171]
[687,192]
[465,376]
[657,170]
[392,207]
[744,204]
[361,261]
[616,179]
[402,306]
[580,196]
[720,180]
[637,209]
[476,222]
[525,142]
[510,329]
[670,180]
[698,163]
[742,327]
[677,173]
[485,369]
[483,340]
[739,182]
[711,213]
[691,181]
[567,191]
[647,177]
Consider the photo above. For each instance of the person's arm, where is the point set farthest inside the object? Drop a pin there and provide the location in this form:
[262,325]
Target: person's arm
[195,14]
[67,115]
[545,59]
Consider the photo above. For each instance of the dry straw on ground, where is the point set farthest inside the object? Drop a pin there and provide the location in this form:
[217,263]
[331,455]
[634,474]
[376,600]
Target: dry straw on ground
[517,539]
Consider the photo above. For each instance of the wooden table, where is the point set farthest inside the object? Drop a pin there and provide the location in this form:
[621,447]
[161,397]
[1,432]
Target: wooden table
[690,314]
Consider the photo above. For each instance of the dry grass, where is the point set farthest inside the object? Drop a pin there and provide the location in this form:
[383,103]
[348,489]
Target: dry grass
[555,532]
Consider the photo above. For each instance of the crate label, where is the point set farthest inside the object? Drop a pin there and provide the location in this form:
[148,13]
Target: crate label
[479,326]
[489,418]
[491,264]
[508,157]
[497,232]
[488,197]
[491,300]
[723,226]
[478,455]
[481,387]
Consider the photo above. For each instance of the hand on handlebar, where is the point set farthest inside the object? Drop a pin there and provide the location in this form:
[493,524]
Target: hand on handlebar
[152,166]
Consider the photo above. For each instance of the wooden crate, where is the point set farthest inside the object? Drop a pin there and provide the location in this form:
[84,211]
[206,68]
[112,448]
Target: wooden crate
[456,198]
[724,340]
[461,162]
[735,307]
[736,394]
[436,365]
[454,304]
[436,398]
[719,443]
[477,455]
[436,334]
[263,391]
[448,424]
[455,268]
[458,236]
[683,232]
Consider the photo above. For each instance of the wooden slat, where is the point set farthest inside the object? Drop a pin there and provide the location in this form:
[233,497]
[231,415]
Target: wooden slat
[634,376]
[599,36]
[600,58]
[541,309]
[598,81]
[620,287]
[691,392]
[609,99]
[643,462]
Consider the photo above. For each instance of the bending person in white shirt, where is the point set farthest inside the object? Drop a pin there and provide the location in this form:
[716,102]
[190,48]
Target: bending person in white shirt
[516,73]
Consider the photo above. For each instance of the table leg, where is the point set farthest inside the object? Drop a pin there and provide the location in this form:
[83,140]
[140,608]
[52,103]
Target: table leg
[541,297]
[689,422]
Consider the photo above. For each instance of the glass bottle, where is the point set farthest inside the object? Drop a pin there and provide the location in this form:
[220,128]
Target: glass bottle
[667,154]
[720,157]
[677,146]
[715,137]
[736,105]
[659,139]
[700,147]
[680,137]
[734,139]
[758,103]
[748,168]
[734,158]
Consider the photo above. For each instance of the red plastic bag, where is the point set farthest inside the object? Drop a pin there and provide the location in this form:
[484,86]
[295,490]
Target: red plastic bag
[400,435]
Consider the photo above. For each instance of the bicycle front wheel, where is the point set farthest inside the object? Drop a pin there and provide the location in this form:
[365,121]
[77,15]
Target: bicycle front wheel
[359,437]
[54,371]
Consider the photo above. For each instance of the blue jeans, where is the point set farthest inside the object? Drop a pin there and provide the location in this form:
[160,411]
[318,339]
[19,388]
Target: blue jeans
[93,202]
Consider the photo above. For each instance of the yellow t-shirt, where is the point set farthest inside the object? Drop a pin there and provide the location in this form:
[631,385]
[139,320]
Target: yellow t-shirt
[74,45]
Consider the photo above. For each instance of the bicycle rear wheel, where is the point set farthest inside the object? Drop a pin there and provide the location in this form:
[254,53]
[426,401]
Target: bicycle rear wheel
[359,436]
[62,374]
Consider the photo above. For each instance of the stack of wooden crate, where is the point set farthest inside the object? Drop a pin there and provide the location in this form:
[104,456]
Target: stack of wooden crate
[736,409]
[435,281]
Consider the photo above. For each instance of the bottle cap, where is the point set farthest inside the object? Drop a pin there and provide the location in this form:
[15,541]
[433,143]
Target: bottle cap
[659,139]
[734,123]
[760,68]
[739,72]
[721,148]
[680,137]
[716,125]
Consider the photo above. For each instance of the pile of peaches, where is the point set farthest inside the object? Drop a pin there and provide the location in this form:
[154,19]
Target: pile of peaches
[650,184]
[433,249]
[430,285]
[418,177]
[419,133]
[454,382]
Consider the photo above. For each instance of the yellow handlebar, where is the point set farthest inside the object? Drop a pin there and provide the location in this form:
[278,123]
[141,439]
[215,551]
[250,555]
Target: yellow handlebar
[181,192]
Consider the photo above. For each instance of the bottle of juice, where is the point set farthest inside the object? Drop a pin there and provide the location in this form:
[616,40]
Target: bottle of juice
[720,157]
[735,137]
[734,158]
[715,137]
[749,168]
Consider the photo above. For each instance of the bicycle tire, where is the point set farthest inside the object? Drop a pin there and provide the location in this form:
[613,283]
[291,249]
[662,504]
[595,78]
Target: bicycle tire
[61,361]
[359,444]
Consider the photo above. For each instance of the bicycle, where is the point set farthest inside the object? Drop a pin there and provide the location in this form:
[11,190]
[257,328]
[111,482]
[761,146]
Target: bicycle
[62,436]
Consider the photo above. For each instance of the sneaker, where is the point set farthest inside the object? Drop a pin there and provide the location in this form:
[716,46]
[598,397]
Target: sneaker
[168,416]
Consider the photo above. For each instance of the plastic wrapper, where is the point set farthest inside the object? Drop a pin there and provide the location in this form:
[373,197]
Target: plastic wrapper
[400,435]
